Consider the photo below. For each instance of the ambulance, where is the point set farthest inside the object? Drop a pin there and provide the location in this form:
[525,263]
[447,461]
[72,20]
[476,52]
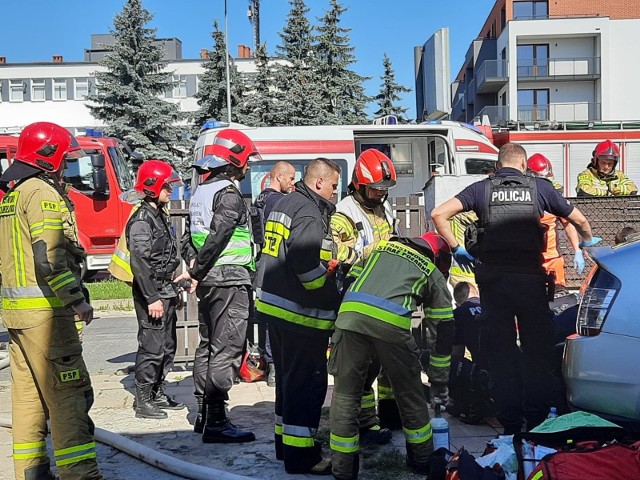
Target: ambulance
[417,151]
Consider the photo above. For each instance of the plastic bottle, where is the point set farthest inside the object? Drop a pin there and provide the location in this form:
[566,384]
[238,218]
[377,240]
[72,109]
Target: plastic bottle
[553,413]
[440,428]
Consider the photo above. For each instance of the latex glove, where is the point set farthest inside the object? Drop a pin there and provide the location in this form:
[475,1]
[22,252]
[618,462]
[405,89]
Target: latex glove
[578,261]
[464,259]
[594,241]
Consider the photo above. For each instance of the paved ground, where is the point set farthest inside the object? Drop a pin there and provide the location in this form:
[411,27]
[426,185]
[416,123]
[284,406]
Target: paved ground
[110,345]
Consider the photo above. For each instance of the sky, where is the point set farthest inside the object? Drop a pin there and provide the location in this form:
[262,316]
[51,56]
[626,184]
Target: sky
[395,27]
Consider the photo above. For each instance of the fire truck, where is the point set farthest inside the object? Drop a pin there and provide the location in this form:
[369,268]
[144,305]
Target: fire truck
[97,180]
[417,151]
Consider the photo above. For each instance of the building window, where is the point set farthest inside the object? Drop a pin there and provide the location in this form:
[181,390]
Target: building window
[16,90]
[38,91]
[503,18]
[530,10]
[533,105]
[81,89]
[180,87]
[59,89]
[533,60]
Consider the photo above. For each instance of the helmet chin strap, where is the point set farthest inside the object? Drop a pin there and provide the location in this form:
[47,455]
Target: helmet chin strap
[367,202]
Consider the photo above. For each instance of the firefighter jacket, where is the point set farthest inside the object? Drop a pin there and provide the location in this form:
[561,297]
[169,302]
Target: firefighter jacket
[296,290]
[153,252]
[395,281]
[591,185]
[356,230]
[510,232]
[459,224]
[37,278]
[219,232]
[75,253]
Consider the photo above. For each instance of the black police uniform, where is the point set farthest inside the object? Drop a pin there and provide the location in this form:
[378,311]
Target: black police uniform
[513,285]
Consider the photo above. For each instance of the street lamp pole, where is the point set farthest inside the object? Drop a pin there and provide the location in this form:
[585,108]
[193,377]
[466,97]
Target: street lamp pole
[226,42]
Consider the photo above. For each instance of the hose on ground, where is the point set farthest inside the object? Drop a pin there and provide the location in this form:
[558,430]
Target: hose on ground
[156,459]
[4,362]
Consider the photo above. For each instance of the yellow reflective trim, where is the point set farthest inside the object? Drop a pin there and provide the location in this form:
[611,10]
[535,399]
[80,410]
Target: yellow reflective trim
[48,206]
[419,435]
[440,362]
[345,444]
[325,255]
[278,429]
[80,458]
[22,446]
[315,284]
[66,282]
[301,442]
[277,228]
[538,475]
[77,448]
[27,456]
[29,303]
[21,275]
[292,317]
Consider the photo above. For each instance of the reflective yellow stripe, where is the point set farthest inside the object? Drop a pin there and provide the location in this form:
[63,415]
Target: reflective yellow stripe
[419,435]
[345,444]
[66,282]
[29,303]
[315,284]
[75,454]
[301,442]
[277,227]
[538,475]
[385,393]
[77,459]
[376,312]
[278,429]
[25,451]
[293,317]
[438,313]
[126,266]
[440,362]
[21,275]
[368,401]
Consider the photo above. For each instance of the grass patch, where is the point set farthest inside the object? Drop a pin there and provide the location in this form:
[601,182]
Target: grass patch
[123,306]
[109,290]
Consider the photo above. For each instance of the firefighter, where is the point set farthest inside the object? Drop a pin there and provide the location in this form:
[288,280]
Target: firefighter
[41,294]
[375,320]
[512,282]
[539,166]
[601,178]
[299,299]
[221,259]
[459,224]
[154,259]
[363,219]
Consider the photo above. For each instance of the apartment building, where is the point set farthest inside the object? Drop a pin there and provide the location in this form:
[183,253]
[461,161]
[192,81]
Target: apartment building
[57,91]
[547,62]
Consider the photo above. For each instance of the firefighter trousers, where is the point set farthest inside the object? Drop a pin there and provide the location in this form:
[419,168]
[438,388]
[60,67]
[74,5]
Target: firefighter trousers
[223,313]
[156,341]
[524,384]
[301,387]
[351,355]
[49,380]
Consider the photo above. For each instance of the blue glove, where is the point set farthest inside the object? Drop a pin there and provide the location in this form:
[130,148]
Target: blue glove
[594,241]
[578,261]
[464,259]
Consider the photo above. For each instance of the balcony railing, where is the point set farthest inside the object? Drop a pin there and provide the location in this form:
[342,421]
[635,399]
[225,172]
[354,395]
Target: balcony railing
[492,76]
[554,112]
[568,68]
[458,108]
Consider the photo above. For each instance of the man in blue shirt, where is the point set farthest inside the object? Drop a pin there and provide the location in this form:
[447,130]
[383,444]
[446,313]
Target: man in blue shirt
[513,285]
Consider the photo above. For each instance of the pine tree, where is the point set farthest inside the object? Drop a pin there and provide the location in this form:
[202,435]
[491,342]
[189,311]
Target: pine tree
[298,101]
[212,91]
[389,94]
[258,104]
[128,98]
[343,97]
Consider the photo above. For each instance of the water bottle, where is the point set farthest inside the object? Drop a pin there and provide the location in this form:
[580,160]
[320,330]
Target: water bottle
[440,428]
[553,413]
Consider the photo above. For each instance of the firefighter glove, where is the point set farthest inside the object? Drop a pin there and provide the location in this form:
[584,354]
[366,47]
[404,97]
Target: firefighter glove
[594,241]
[578,261]
[463,258]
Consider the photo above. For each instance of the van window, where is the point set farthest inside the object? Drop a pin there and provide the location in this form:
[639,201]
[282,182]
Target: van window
[123,170]
[79,172]
[257,178]
[479,166]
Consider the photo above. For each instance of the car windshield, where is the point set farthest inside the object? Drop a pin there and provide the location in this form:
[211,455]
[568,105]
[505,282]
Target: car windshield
[123,169]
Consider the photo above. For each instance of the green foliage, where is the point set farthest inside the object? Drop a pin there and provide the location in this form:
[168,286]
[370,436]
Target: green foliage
[129,92]
[343,97]
[258,106]
[389,94]
[108,290]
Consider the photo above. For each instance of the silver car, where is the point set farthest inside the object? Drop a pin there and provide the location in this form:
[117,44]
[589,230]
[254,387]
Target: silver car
[601,364]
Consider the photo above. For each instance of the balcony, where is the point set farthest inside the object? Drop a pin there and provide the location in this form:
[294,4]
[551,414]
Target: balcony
[559,69]
[459,107]
[491,76]
[554,112]
[498,115]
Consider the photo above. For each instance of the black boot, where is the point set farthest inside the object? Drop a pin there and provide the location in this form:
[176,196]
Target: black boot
[271,375]
[164,401]
[389,414]
[198,425]
[144,406]
[220,430]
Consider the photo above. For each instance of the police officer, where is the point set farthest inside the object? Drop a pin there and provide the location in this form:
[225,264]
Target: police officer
[513,283]
[375,320]
[601,178]
[221,259]
[40,296]
[299,299]
[154,259]
[363,219]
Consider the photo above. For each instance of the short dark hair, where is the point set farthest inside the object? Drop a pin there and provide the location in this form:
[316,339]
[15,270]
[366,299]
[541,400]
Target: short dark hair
[319,167]
[461,292]
[510,153]
[623,235]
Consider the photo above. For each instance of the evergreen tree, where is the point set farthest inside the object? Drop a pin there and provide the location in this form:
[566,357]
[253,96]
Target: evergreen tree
[343,98]
[259,103]
[298,101]
[212,92]
[128,98]
[389,94]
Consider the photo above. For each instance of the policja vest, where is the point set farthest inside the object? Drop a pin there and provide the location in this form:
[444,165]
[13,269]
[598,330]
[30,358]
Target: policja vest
[239,249]
[509,230]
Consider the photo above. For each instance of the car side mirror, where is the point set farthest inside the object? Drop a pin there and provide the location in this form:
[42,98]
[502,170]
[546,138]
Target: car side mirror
[99,176]
[97,160]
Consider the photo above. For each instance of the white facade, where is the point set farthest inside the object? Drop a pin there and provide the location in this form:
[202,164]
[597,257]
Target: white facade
[55,92]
